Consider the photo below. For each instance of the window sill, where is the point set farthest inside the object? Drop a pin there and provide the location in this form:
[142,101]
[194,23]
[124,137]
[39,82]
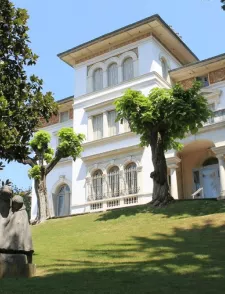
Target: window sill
[109,139]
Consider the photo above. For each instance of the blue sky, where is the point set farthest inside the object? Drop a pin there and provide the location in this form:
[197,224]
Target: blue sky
[56,26]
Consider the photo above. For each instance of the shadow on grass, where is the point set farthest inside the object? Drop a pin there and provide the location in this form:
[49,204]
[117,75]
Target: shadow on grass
[178,209]
[185,261]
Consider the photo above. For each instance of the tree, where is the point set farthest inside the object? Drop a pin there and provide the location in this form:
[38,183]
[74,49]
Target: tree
[22,102]
[161,118]
[223,6]
[44,160]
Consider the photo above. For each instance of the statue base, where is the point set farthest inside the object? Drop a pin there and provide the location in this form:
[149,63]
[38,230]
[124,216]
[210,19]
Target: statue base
[16,265]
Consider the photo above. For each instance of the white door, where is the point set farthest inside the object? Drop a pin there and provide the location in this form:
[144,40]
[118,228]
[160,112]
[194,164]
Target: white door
[210,181]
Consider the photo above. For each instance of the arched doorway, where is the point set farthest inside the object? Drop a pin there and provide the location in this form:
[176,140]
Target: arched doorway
[199,170]
[62,201]
[208,178]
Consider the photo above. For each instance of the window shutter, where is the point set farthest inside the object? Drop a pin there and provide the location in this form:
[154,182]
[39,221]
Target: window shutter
[98,79]
[128,69]
[112,124]
[112,74]
[97,126]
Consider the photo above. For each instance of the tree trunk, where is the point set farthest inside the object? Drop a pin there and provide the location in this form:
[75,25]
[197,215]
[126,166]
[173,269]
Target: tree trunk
[161,193]
[42,200]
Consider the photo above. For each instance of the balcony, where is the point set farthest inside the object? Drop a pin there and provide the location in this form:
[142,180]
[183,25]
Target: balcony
[112,185]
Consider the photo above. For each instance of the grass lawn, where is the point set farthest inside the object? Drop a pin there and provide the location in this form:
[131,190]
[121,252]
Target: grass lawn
[178,249]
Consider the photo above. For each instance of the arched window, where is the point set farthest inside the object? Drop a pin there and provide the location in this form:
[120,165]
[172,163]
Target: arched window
[114,181]
[131,178]
[112,74]
[128,69]
[97,185]
[165,68]
[98,79]
[62,204]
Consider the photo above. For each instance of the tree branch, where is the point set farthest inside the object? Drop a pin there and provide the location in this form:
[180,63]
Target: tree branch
[52,164]
[30,161]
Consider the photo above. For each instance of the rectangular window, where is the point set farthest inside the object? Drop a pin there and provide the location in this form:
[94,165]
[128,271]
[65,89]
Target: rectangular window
[64,116]
[97,126]
[212,108]
[204,80]
[126,126]
[112,124]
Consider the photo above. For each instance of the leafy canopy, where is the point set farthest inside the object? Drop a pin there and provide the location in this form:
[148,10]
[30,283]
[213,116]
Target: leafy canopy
[172,113]
[22,102]
[69,145]
[223,6]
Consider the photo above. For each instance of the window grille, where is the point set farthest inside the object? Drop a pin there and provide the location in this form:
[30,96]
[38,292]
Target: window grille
[98,79]
[112,74]
[128,69]
[97,185]
[131,178]
[114,182]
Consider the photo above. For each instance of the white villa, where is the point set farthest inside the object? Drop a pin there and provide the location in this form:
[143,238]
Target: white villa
[114,171]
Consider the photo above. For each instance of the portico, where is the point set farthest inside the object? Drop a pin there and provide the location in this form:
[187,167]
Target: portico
[198,171]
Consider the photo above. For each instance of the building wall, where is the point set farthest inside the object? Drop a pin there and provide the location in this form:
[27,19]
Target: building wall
[149,52]
[215,76]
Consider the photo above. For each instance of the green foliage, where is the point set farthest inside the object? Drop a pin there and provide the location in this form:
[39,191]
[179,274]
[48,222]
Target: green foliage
[35,172]
[22,102]
[172,113]
[48,155]
[70,143]
[40,141]
[223,6]
[1,165]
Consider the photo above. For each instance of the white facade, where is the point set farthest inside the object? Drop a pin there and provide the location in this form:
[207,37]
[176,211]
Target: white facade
[113,170]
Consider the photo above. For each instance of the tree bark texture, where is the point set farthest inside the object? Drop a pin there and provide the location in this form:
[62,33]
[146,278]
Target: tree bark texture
[42,200]
[161,193]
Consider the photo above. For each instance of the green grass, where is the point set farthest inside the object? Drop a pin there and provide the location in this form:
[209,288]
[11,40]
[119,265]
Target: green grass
[178,249]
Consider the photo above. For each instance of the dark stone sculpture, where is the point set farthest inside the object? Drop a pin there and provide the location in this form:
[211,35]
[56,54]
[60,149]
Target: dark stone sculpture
[16,247]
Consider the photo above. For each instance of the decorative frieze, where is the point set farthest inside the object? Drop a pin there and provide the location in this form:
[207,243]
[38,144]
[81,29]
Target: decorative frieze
[187,83]
[217,76]
[101,52]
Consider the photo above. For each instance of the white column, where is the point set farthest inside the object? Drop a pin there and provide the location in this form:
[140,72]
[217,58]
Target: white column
[105,79]
[105,125]
[120,74]
[90,129]
[173,176]
[222,174]
[139,180]
[219,152]
[135,68]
